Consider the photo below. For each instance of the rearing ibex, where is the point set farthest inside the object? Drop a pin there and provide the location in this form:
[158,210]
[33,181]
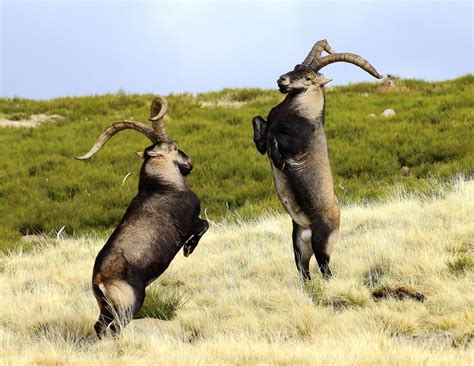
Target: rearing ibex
[293,137]
[162,217]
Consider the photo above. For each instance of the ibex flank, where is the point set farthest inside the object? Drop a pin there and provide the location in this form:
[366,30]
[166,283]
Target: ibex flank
[293,137]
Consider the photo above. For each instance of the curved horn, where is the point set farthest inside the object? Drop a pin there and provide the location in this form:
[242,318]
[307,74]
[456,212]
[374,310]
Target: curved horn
[158,108]
[318,64]
[316,51]
[112,130]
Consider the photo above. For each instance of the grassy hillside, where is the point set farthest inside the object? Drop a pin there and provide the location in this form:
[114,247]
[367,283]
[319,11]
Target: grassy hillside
[238,299]
[42,188]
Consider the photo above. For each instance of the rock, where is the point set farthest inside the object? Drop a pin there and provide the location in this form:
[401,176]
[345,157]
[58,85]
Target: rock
[405,171]
[389,113]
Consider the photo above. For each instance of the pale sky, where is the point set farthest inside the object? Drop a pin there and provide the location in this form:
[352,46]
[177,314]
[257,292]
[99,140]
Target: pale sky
[72,48]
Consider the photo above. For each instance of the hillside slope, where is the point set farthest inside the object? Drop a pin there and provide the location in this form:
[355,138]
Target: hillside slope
[238,299]
[42,188]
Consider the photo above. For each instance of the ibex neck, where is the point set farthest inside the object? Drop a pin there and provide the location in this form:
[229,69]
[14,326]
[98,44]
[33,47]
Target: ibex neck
[309,104]
[161,187]
[158,177]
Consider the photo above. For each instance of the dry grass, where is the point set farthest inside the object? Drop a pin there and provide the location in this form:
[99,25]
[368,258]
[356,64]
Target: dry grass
[244,303]
[33,121]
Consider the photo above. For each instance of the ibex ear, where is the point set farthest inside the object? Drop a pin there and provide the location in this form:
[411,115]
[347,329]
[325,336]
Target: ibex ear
[323,81]
[140,154]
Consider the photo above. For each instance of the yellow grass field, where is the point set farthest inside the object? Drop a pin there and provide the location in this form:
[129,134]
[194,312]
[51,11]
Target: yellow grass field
[244,303]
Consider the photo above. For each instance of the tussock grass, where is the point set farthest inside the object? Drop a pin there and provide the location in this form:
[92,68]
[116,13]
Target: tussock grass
[460,264]
[245,303]
[161,305]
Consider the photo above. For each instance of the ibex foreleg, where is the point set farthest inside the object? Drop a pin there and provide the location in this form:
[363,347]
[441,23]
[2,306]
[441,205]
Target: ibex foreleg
[260,134]
[197,232]
[275,155]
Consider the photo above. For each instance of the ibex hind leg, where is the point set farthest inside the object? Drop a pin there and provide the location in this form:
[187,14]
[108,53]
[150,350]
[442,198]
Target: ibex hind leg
[118,306]
[105,318]
[302,248]
[322,240]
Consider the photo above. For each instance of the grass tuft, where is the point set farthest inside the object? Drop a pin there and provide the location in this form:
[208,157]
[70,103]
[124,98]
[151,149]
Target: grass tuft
[161,305]
[460,264]
[376,273]
[315,290]
[351,297]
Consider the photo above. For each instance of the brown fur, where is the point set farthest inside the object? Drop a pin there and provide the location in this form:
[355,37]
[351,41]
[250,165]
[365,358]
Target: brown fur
[160,220]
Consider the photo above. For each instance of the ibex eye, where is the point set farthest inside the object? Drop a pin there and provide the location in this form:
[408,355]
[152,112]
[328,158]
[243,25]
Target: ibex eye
[308,78]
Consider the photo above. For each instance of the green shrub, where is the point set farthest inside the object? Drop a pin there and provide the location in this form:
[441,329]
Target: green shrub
[42,187]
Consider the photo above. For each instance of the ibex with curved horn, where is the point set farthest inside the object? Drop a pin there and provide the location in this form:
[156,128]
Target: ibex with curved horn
[293,137]
[161,219]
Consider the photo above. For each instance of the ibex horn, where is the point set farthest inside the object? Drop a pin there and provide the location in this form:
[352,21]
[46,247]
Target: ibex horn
[318,63]
[115,128]
[158,108]
[316,51]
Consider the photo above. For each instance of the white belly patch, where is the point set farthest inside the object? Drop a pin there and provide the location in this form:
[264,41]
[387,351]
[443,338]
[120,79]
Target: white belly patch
[306,234]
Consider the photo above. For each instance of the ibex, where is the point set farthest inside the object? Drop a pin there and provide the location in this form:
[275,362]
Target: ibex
[293,137]
[161,219]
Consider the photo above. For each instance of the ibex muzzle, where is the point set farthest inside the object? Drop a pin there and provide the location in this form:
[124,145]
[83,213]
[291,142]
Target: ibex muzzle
[161,219]
[294,139]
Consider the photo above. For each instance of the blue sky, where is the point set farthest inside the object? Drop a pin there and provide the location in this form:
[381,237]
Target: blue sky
[71,48]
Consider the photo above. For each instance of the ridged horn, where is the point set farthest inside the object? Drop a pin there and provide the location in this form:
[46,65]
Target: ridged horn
[115,128]
[158,108]
[318,63]
[316,51]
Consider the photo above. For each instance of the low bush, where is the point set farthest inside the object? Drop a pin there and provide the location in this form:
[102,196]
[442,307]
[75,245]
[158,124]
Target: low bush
[42,187]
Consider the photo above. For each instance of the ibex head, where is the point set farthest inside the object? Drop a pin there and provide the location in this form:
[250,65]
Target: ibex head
[166,156]
[300,79]
[163,152]
[306,76]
